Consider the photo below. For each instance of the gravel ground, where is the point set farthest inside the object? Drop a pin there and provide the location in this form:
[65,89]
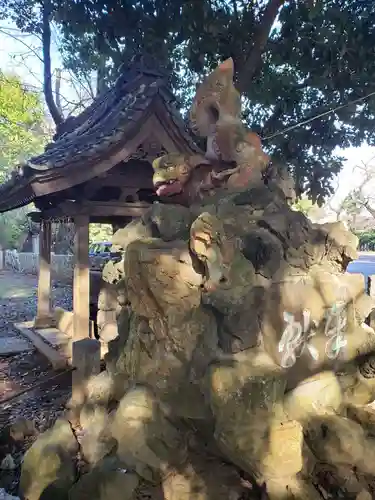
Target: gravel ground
[18,301]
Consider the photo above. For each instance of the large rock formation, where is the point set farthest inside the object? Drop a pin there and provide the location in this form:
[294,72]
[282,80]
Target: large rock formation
[236,320]
[239,364]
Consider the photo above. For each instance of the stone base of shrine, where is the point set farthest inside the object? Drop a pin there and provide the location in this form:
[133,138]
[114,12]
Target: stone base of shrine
[58,355]
[44,321]
[55,341]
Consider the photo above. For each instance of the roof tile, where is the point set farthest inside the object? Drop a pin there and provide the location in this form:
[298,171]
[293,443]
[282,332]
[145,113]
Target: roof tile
[101,126]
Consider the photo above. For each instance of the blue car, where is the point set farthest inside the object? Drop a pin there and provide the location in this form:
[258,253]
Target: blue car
[100,249]
[99,254]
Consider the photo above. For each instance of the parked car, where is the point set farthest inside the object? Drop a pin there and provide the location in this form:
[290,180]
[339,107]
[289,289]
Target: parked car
[100,249]
[99,254]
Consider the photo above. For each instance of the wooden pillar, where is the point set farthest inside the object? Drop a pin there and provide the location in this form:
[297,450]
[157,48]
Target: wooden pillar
[44,314]
[35,243]
[81,284]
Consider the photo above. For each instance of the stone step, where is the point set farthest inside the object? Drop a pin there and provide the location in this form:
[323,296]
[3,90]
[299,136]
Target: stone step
[57,359]
[54,344]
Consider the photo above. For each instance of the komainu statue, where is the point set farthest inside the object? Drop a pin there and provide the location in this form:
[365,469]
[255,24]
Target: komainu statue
[242,367]
[234,157]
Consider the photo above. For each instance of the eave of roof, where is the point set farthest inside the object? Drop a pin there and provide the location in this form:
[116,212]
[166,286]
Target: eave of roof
[112,119]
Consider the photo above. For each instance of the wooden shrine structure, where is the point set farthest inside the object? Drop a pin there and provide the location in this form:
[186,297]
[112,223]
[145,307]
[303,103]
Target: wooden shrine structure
[98,169]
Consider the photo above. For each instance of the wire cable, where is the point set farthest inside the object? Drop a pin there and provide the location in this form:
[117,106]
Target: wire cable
[308,120]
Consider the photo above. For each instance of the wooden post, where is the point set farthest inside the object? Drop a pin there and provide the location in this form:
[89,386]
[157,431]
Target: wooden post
[81,284]
[35,243]
[44,314]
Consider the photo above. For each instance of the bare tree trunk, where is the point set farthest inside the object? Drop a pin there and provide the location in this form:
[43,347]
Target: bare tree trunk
[251,64]
[100,82]
[57,91]
[369,209]
[47,84]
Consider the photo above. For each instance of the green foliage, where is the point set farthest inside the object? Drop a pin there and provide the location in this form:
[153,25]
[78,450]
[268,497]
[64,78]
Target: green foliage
[100,232]
[310,209]
[319,56]
[351,204]
[352,207]
[366,240]
[21,123]
[13,225]
[21,136]
[303,205]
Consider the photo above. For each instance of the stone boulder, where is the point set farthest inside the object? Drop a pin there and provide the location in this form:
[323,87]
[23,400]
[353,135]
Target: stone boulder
[320,394]
[237,349]
[107,480]
[239,363]
[211,296]
[48,469]
[147,442]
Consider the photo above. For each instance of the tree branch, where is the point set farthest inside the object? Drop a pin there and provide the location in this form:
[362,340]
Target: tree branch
[235,10]
[100,82]
[365,204]
[338,211]
[78,105]
[18,39]
[47,85]
[251,64]
[356,197]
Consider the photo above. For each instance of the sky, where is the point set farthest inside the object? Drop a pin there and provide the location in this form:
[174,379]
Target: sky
[23,56]
[17,58]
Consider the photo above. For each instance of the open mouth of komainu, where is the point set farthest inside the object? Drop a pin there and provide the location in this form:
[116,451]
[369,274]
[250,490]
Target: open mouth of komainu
[168,188]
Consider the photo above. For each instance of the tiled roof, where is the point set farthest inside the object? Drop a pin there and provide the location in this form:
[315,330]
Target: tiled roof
[113,118]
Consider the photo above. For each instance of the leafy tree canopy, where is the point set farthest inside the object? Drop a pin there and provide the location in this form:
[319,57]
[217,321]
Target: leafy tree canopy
[304,205]
[13,225]
[21,123]
[100,232]
[21,136]
[366,240]
[316,57]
